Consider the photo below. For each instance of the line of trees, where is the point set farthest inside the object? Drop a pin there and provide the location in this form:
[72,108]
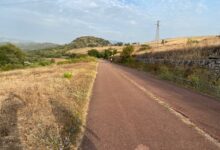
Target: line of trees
[106,54]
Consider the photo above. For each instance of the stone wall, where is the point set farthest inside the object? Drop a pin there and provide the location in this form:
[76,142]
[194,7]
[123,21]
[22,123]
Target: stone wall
[212,63]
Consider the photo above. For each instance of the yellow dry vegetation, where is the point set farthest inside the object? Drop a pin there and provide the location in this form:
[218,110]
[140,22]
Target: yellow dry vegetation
[85,50]
[181,43]
[40,109]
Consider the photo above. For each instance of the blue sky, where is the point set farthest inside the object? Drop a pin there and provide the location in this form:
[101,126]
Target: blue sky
[61,21]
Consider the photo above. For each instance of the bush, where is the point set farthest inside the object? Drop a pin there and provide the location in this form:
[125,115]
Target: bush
[8,67]
[164,42]
[68,75]
[191,41]
[119,44]
[45,63]
[195,80]
[57,52]
[10,54]
[127,52]
[107,53]
[94,53]
[144,47]
[115,51]
[165,73]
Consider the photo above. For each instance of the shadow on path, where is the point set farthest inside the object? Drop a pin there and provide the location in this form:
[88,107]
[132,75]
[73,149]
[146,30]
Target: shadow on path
[9,134]
[68,122]
[87,143]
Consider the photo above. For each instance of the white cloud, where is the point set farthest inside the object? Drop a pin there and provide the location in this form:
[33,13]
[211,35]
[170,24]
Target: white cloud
[133,22]
[125,20]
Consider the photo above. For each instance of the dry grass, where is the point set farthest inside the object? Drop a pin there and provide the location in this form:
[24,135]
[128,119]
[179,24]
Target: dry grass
[40,109]
[85,50]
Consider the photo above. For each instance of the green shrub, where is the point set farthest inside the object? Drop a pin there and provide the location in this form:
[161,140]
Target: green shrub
[144,47]
[8,67]
[195,80]
[164,42]
[191,41]
[10,54]
[94,53]
[57,52]
[68,75]
[115,51]
[165,73]
[45,63]
[152,68]
[119,44]
[127,52]
[107,53]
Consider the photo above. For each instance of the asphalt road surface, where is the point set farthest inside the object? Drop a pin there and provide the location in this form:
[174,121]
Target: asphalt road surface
[132,110]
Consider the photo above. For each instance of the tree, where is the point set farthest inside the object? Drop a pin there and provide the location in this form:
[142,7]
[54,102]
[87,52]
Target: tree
[107,53]
[127,52]
[115,51]
[94,53]
[119,44]
[10,54]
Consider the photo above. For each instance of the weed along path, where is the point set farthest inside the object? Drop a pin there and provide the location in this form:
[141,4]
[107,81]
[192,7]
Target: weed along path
[131,110]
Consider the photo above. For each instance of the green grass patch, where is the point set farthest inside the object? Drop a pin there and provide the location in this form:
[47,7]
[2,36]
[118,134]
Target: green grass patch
[68,75]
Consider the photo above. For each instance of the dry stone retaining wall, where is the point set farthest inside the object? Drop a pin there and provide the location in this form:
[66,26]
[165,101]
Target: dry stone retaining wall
[212,63]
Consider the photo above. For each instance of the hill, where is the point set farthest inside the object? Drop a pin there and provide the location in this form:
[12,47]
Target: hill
[87,41]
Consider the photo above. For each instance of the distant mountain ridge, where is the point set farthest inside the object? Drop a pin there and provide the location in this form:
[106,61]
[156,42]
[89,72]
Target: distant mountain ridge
[80,42]
[27,45]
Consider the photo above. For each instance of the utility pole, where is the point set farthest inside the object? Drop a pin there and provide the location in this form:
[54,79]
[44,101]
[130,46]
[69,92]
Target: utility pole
[157,37]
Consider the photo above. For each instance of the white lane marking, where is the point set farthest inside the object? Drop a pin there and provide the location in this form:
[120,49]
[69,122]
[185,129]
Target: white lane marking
[142,147]
[183,118]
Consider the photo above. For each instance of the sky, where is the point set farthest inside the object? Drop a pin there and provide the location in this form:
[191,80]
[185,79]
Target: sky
[61,21]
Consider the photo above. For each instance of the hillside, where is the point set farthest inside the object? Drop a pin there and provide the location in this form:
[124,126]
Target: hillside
[35,46]
[87,41]
[170,44]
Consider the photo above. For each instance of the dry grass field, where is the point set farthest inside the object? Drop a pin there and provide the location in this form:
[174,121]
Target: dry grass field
[85,50]
[41,109]
[171,44]
[181,43]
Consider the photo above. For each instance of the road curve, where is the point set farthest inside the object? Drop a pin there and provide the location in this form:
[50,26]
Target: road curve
[131,110]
